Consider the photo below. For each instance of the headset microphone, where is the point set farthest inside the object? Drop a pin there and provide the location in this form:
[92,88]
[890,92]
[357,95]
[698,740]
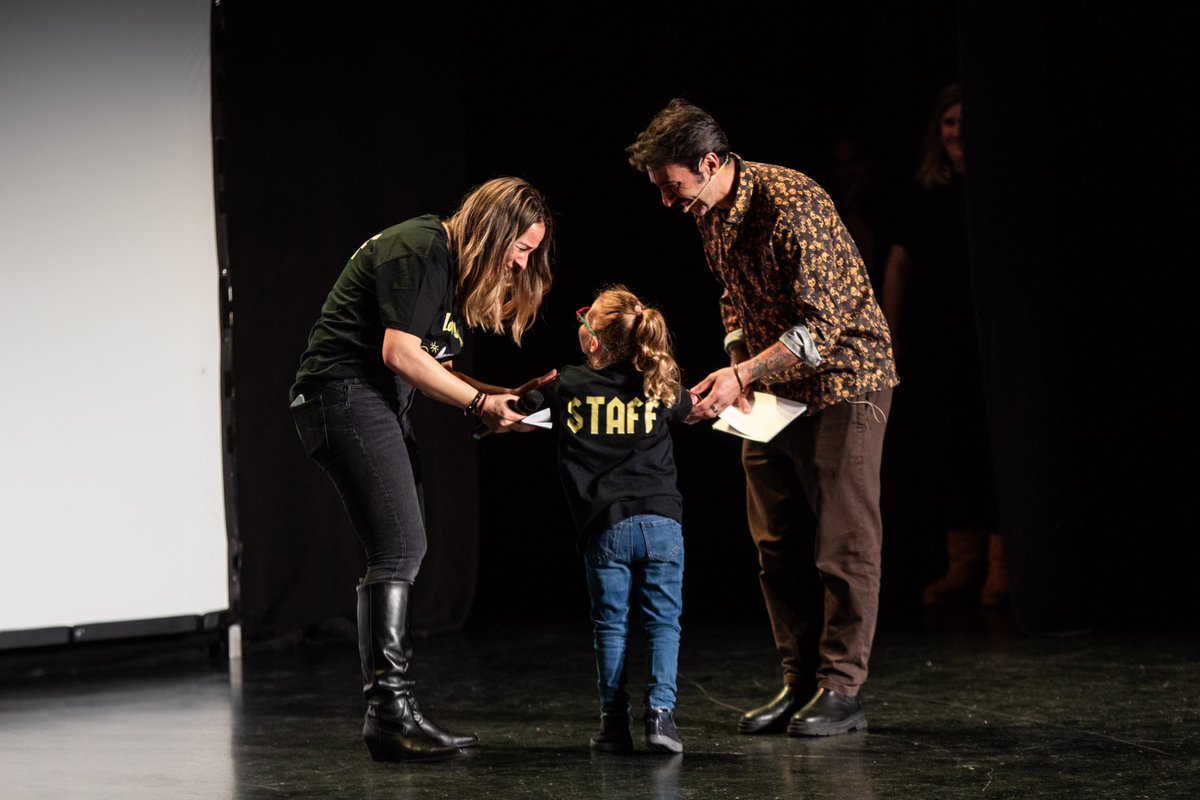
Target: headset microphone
[688,207]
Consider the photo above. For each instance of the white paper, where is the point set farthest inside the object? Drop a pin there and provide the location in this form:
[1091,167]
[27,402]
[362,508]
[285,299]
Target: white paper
[539,419]
[768,416]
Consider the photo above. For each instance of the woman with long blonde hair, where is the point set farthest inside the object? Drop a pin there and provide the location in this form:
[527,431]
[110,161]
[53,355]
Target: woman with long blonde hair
[390,327]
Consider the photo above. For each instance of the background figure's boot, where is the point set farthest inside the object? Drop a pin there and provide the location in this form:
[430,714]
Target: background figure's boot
[392,728]
[960,585]
[995,587]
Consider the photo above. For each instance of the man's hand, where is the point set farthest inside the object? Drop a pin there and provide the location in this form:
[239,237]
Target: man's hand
[722,391]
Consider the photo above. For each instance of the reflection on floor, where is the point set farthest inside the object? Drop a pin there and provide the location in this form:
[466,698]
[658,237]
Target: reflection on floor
[958,707]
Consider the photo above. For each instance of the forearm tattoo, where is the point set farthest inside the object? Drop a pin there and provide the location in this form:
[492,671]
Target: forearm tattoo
[774,359]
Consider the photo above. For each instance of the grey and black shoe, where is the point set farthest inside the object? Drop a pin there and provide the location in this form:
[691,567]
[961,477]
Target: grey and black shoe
[661,734]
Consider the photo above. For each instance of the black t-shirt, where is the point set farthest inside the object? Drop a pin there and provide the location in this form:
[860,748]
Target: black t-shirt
[614,449]
[402,278]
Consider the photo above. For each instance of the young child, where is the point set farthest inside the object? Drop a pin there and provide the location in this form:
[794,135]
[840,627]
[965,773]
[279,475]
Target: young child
[618,471]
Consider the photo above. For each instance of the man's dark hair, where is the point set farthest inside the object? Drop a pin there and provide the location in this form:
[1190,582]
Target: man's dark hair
[679,134]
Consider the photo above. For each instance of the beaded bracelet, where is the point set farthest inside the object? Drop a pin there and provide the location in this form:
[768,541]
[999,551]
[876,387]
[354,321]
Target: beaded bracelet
[476,406]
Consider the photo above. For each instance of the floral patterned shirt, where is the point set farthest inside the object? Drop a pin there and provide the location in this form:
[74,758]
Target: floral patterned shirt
[784,258]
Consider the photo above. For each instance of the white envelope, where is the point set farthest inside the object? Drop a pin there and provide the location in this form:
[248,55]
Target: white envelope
[768,416]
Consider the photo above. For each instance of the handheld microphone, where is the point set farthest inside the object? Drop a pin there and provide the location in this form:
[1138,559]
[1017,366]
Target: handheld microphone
[525,405]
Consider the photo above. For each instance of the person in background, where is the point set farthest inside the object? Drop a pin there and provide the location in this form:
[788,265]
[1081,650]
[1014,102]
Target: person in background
[928,301]
[618,471]
[391,326]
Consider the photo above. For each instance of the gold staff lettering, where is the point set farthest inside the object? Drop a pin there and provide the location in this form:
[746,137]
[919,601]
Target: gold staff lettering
[612,414]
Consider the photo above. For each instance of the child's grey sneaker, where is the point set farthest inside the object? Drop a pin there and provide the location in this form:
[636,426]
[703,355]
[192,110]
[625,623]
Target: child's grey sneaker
[661,734]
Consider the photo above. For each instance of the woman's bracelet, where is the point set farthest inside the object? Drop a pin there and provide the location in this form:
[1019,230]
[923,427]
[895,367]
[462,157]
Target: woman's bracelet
[476,406]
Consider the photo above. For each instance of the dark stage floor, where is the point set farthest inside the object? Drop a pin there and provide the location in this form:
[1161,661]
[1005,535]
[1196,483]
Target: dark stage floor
[963,707]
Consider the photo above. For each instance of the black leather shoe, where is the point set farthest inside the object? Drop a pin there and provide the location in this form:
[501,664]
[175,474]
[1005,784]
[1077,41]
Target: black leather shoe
[614,735]
[828,714]
[773,717]
[439,734]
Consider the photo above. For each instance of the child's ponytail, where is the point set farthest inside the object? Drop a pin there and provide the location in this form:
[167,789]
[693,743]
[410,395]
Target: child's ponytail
[653,358]
[631,332]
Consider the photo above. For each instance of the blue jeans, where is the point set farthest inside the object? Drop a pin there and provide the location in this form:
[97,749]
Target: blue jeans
[640,557]
[358,431]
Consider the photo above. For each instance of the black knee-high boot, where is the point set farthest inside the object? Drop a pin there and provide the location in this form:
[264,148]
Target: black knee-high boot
[394,729]
[428,726]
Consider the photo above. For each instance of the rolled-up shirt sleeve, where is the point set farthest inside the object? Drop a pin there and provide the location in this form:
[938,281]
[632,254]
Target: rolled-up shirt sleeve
[799,341]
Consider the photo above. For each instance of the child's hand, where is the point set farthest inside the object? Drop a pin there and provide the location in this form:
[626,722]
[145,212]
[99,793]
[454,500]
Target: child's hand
[536,383]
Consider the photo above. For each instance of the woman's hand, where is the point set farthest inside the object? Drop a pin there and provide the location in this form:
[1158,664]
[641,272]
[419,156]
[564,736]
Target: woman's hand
[500,415]
[500,412]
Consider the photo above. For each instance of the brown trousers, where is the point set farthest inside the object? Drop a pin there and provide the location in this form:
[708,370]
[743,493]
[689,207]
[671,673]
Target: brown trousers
[821,585]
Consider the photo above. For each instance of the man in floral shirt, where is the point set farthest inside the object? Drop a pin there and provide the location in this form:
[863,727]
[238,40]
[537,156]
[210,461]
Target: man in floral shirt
[802,323]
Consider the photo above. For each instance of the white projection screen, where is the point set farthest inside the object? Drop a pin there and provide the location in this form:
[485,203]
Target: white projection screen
[111,491]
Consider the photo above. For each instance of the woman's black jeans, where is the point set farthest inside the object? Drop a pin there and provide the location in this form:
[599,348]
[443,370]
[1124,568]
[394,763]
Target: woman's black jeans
[357,430]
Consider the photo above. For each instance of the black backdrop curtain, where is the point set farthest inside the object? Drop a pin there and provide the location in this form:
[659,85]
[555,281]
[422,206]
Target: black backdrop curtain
[1079,149]
[338,121]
